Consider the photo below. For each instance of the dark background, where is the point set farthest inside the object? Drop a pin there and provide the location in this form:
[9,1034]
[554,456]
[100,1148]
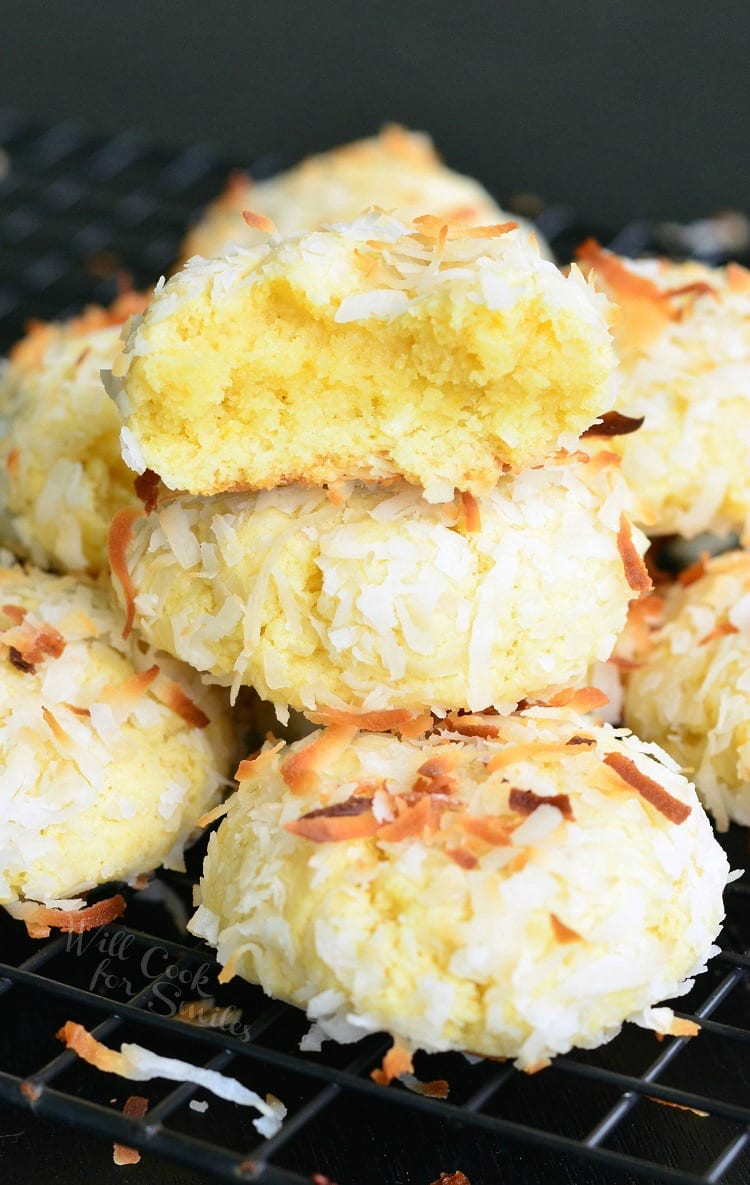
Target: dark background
[620,108]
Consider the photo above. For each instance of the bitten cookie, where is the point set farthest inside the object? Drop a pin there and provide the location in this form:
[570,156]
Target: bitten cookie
[370,351]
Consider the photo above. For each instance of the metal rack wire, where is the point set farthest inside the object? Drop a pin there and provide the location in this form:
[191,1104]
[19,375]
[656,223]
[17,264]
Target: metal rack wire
[74,213]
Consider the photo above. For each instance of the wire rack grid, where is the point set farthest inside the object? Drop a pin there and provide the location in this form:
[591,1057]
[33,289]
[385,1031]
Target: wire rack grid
[76,212]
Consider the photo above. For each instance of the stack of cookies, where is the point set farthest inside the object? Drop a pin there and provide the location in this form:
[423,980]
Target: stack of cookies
[112,751]
[377,513]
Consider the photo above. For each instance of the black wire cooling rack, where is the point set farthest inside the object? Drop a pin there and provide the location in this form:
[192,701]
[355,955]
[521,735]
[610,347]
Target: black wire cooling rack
[75,214]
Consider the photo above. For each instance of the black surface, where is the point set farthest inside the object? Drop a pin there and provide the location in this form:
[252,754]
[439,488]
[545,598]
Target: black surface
[618,108]
[72,212]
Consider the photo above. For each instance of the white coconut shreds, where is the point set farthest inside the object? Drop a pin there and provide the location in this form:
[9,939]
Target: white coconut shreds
[390,601]
[139,1064]
[691,690]
[397,170]
[61,474]
[100,778]
[495,913]
[685,367]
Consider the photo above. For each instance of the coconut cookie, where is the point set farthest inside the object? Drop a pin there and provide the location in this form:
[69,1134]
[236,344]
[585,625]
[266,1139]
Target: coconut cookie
[109,753]
[370,351]
[382,600]
[397,170]
[683,340]
[61,474]
[691,691]
[509,886]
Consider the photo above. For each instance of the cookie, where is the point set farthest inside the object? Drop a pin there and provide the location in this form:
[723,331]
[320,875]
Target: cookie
[513,887]
[370,351]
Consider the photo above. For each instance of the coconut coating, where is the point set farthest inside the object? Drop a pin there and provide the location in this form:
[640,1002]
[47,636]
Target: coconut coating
[387,601]
[683,340]
[109,753]
[371,350]
[691,689]
[62,477]
[397,170]
[508,894]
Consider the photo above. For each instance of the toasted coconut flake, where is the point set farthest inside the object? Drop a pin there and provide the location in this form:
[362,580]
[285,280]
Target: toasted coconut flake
[84,713]
[19,662]
[722,630]
[440,784]
[211,816]
[146,486]
[579,740]
[525,802]
[636,572]
[131,689]
[16,613]
[259,222]
[417,726]
[436,768]
[563,934]
[462,857]
[472,517]
[40,919]
[614,423]
[396,1062]
[229,970]
[665,803]
[140,1064]
[77,1038]
[438,1089]
[250,767]
[678,1106]
[690,575]
[61,736]
[495,832]
[412,822]
[136,1106]
[33,643]
[618,277]
[388,720]
[694,289]
[603,459]
[178,701]
[119,540]
[13,464]
[536,1067]
[301,770]
[348,820]
[580,699]
[469,725]
[681,1027]
[431,227]
[738,277]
